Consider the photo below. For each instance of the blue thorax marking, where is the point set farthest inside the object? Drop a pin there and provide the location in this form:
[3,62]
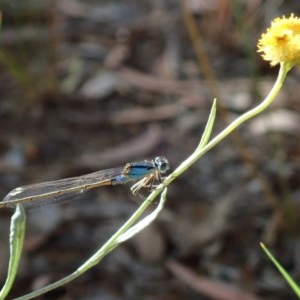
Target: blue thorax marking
[138,170]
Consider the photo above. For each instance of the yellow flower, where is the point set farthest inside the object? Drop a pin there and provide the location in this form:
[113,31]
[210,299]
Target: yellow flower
[281,42]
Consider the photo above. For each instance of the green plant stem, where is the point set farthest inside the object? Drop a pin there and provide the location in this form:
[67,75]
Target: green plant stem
[202,148]
[200,151]
[124,233]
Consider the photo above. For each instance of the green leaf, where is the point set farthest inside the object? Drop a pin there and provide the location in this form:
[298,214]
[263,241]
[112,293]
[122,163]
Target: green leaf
[282,271]
[17,233]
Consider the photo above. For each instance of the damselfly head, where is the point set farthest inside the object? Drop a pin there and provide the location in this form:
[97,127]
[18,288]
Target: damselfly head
[162,164]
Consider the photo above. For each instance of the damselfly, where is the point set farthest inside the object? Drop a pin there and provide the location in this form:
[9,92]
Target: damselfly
[146,172]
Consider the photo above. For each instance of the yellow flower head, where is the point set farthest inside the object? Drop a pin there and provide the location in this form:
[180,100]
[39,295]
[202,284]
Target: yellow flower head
[281,42]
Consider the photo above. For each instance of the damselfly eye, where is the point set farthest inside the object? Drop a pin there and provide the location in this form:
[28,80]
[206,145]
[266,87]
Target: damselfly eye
[162,164]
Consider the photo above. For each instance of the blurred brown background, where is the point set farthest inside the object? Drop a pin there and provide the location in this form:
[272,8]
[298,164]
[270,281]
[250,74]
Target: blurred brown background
[89,85]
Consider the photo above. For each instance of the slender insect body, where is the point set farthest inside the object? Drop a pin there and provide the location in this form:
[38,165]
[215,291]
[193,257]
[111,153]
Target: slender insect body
[145,173]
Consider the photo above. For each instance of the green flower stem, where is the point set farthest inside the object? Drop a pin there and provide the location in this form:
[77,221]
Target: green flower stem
[124,233]
[200,151]
[127,231]
[203,147]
